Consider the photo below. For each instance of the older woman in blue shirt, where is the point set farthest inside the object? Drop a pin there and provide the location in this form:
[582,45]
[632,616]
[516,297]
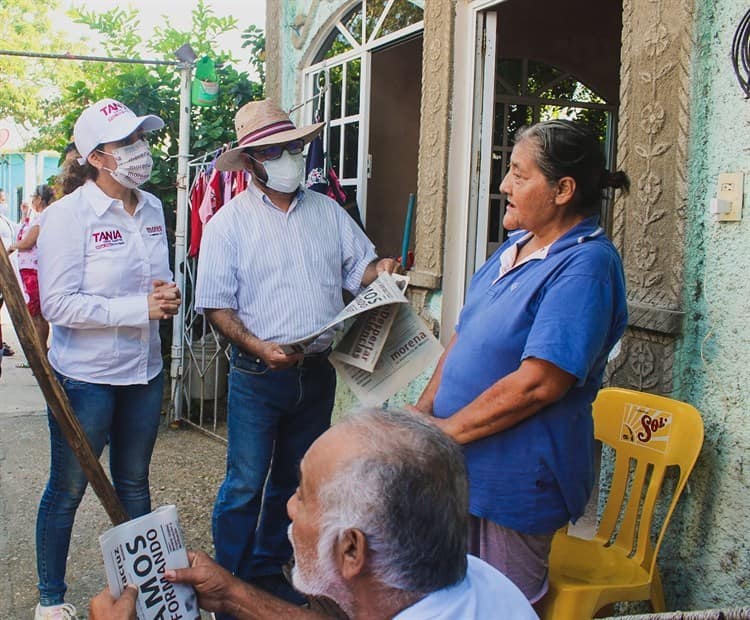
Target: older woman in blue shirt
[516,383]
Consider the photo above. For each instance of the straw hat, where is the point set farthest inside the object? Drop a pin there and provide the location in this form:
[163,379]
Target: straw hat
[262,123]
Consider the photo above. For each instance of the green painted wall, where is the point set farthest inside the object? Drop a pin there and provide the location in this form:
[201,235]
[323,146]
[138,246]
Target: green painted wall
[706,560]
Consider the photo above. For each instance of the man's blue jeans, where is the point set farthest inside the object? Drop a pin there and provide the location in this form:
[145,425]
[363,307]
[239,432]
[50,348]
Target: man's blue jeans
[128,417]
[273,418]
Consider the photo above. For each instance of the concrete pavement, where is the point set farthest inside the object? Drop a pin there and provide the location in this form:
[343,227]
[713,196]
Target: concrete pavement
[186,470]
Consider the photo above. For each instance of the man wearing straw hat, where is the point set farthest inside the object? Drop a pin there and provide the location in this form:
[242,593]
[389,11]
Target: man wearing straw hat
[273,263]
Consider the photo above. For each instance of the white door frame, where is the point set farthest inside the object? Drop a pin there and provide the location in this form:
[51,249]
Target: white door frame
[364,52]
[465,157]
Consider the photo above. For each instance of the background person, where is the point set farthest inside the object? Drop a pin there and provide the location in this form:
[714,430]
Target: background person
[272,266]
[26,212]
[4,206]
[25,243]
[103,276]
[379,525]
[516,383]
[6,238]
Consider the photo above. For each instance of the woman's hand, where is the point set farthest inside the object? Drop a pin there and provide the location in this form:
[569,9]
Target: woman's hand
[164,300]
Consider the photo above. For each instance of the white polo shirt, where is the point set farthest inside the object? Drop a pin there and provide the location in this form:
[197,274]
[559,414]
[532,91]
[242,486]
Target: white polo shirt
[97,264]
[483,594]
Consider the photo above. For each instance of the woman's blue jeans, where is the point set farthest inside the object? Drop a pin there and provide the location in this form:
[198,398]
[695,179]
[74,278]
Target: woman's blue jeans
[273,418]
[126,416]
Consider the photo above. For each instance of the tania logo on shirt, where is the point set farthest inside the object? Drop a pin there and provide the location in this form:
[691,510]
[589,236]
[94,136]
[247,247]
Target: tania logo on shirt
[107,238]
[154,231]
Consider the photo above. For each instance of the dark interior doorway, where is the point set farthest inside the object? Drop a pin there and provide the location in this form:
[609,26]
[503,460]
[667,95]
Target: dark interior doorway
[395,101]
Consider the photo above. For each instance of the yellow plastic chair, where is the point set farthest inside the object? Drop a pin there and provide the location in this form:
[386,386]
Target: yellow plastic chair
[648,433]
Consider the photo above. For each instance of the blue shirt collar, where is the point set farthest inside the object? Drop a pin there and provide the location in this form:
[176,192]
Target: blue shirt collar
[586,230]
[260,195]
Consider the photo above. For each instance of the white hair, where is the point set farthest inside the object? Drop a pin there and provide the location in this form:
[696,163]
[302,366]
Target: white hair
[407,492]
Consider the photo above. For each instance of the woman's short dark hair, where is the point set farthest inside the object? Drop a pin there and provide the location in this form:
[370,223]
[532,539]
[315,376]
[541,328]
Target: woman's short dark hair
[45,193]
[570,149]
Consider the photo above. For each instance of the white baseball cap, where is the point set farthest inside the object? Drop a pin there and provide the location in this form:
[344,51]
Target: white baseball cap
[108,120]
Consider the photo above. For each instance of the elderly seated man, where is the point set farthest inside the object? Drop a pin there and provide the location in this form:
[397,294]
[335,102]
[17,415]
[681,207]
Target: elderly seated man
[379,525]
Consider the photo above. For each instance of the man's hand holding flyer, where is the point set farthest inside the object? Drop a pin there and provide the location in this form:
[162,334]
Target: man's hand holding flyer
[386,345]
[138,552]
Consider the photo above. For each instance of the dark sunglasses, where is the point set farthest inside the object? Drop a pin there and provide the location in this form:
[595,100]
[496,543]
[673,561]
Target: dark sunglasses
[275,151]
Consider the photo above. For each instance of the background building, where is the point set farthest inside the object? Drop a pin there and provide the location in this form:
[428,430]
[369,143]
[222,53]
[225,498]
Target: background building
[424,96]
[20,171]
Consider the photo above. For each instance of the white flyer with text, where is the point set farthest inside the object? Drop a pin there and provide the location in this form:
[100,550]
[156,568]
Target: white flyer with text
[138,552]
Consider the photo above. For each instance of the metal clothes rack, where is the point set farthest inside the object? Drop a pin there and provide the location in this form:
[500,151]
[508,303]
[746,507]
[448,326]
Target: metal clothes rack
[200,361]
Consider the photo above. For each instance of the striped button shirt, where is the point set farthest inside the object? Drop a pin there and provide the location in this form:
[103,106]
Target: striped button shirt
[282,272]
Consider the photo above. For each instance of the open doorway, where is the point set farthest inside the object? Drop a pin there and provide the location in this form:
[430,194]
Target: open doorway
[365,83]
[395,100]
[532,69]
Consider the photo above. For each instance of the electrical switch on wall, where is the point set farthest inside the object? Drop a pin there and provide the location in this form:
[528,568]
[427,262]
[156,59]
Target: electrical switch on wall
[727,206]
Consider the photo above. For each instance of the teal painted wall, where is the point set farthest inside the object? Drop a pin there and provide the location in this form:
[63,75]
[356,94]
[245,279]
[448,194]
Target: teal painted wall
[12,178]
[706,559]
[14,174]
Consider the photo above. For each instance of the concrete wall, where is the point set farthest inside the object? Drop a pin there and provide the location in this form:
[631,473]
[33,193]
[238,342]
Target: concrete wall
[706,560]
[296,26]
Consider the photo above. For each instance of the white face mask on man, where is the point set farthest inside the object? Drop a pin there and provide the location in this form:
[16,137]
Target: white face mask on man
[286,173]
[134,164]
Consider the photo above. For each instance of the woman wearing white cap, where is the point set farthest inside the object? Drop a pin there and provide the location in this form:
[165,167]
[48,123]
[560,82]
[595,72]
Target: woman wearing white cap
[105,282]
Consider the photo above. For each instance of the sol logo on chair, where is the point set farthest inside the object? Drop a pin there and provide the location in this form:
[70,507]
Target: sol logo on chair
[647,427]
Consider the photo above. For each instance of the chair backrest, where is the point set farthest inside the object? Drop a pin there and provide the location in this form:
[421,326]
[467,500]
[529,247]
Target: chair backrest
[648,433]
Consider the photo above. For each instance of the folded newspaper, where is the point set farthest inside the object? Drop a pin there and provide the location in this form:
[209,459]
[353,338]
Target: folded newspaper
[406,350]
[385,289]
[385,344]
[138,552]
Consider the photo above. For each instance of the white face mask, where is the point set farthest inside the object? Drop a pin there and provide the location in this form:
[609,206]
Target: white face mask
[285,173]
[134,164]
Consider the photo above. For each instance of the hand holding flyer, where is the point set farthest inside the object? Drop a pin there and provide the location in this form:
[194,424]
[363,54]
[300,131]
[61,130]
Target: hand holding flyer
[138,552]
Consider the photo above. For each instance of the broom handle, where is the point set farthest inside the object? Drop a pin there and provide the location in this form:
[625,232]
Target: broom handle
[55,396]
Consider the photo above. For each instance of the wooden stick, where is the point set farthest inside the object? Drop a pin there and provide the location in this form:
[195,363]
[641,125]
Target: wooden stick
[55,396]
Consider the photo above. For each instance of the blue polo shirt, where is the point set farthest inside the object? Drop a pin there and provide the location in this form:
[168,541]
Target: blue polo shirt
[569,309]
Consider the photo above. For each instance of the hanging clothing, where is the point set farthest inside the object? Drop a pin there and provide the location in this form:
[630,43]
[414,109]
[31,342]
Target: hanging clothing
[327,182]
[210,191]
[315,173]
[196,226]
[213,197]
